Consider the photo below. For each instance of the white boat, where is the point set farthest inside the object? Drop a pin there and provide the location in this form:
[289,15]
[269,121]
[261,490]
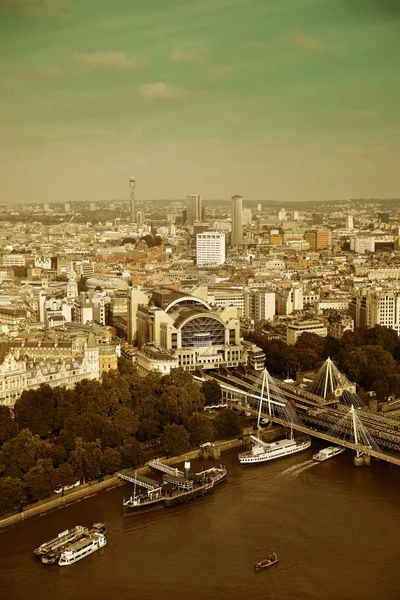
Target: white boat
[328,452]
[264,451]
[82,548]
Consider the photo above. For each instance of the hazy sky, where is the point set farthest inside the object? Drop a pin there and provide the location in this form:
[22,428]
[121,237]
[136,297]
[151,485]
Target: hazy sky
[279,99]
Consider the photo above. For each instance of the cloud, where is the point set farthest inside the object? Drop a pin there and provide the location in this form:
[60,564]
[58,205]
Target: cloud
[38,8]
[110,60]
[182,58]
[303,41]
[162,90]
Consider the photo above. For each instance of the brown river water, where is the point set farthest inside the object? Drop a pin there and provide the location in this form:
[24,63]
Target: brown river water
[335,528]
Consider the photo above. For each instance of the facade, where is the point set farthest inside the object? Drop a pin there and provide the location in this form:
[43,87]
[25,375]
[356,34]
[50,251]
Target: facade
[153,358]
[22,370]
[262,305]
[289,300]
[237,221]
[14,260]
[362,243]
[323,239]
[210,248]
[194,209]
[294,330]
[255,356]
[186,327]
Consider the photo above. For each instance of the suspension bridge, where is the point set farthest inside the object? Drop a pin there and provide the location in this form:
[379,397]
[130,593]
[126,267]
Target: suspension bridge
[329,408]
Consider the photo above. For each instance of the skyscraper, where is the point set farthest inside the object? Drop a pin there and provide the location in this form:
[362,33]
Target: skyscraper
[237,225]
[194,208]
[132,183]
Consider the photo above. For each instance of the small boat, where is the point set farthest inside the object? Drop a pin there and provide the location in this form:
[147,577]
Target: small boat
[328,452]
[267,562]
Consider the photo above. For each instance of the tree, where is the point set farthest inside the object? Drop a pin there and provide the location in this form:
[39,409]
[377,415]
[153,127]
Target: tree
[200,429]
[8,427]
[86,459]
[226,424]
[212,392]
[12,494]
[39,480]
[35,410]
[21,453]
[126,423]
[111,461]
[176,439]
[131,453]
[64,475]
[126,367]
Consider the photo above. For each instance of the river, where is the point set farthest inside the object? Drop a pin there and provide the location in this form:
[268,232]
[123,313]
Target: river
[334,526]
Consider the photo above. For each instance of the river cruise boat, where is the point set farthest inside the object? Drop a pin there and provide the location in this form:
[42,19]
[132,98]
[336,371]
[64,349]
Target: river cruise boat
[263,451]
[174,490]
[328,452]
[55,545]
[267,562]
[95,540]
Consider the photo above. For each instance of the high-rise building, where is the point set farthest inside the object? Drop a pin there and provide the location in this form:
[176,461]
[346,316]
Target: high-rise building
[194,209]
[67,207]
[246,216]
[323,239]
[132,208]
[349,222]
[140,217]
[210,248]
[296,215]
[383,217]
[92,206]
[259,208]
[311,238]
[282,214]
[237,224]
[376,307]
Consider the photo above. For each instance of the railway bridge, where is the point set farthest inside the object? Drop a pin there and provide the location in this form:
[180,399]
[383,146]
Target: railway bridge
[350,425]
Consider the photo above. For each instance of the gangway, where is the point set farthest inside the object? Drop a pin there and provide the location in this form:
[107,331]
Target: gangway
[157,465]
[133,477]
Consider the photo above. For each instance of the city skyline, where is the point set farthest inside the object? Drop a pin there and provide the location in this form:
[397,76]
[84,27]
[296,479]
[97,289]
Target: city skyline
[288,100]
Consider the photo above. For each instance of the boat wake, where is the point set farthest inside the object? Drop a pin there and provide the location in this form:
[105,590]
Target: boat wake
[296,469]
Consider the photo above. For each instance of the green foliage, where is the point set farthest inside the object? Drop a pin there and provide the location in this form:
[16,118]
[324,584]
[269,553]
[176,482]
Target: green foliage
[39,480]
[86,459]
[176,439]
[131,453]
[8,427]
[212,392]
[12,494]
[226,424]
[111,461]
[22,452]
[200,429]
[36,409]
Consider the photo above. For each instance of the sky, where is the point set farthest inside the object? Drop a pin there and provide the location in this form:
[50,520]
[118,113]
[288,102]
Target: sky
[270,99]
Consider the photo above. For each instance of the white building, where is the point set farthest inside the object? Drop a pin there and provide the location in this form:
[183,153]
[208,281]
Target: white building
[14,260]
[362,243]
[294,330]
[210,248]
[246,216]
[237,221]
[262,305]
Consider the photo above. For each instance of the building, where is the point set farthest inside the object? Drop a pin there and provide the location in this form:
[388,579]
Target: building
[135,298]
[246,216]
[153,358]
[349,222]
[362,243]
[254,356]
[132,204]
[229,297]
[194,209]
[262,305]
[210,248]
[294,330]
[323,239]
[29,366]
[237,223]
[184,325]
[289,300]
[376,307]
[14,260]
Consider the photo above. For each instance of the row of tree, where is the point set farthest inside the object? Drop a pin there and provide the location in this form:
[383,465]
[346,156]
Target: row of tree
[369,357]
[57,436]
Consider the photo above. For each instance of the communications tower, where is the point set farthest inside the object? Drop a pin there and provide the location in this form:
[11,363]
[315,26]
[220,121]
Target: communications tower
[132,183]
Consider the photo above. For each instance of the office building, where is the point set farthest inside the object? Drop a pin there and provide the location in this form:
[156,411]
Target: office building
[294,330]
[132,206]
[246,216]
[210,248]
[194,209]
[237,223]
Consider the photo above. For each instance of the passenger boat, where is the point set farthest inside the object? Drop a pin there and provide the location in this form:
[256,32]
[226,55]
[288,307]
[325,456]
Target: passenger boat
[267,562]
[264,451]
[95,540]
[327,453]
[55,545]
[174,490]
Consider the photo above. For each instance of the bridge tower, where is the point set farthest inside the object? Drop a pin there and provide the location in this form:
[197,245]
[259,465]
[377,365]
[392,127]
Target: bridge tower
[330,382]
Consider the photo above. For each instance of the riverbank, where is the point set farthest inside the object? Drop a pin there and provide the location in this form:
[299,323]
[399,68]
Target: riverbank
[89,489]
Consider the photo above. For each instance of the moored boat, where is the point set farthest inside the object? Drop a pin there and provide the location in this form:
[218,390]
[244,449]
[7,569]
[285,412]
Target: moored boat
[327,453]
[174,490]
[56,544]
[82,548]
